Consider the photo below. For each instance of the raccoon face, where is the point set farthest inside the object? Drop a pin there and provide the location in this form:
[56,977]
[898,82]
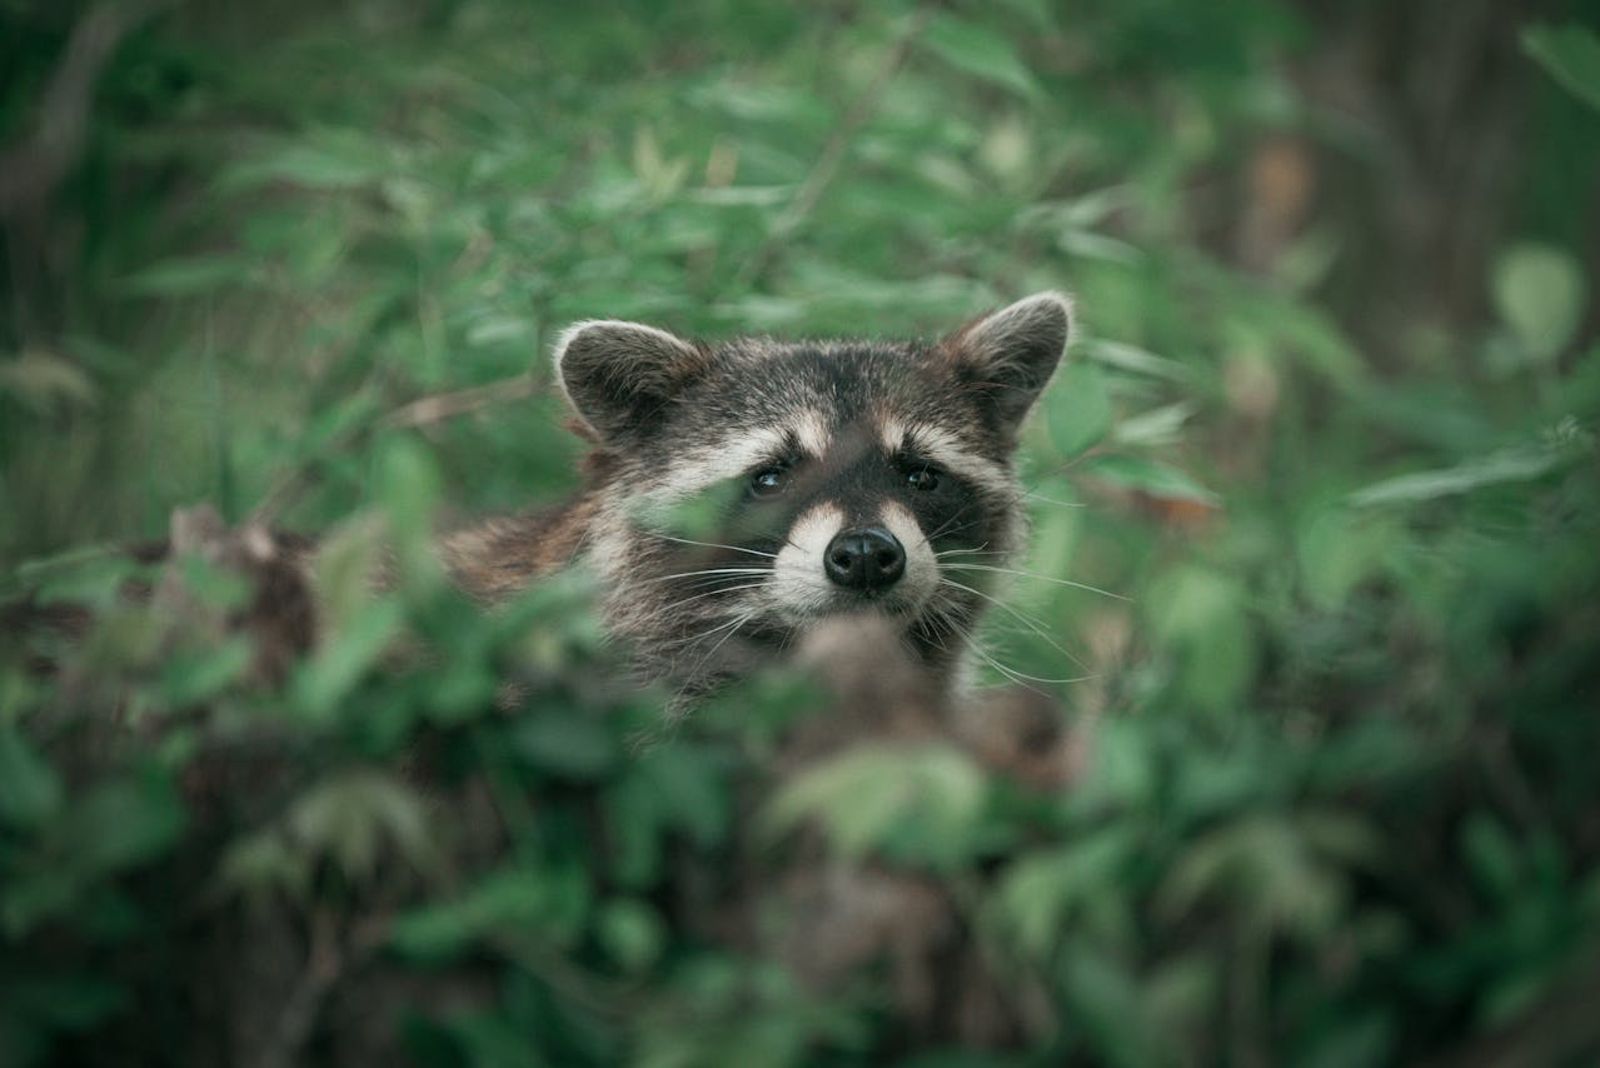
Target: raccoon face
[818,478]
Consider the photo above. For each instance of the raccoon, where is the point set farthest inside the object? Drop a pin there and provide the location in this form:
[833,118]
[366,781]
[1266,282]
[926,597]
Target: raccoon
[831,477]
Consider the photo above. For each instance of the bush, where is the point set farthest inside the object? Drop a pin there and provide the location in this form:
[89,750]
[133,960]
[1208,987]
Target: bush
[1315,503]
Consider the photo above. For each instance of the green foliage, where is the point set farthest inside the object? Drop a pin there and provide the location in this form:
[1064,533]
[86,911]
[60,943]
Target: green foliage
[1571,54]
[1324,794]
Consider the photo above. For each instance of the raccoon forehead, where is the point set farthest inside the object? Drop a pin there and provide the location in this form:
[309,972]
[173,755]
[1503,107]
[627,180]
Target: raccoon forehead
[841,376]
[820,386]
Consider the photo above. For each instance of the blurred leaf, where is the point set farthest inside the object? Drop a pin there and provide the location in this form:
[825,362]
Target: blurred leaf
[191,676]
[1507,465]
[1131,358]
[30,789]
[864,797]
[352,818]
[1540,292]
[1337,549]
[1157,427]
[94,576]
[1495,858]
[1202,614]
[337,666]
[265,862]
[1148,476]
[188,275]
[123,822]
[631,933]
[1078,409]
[687,790]
[42,379]
[1038,893]
[1571,55]
[510,902]
[1106,996]
[1280,871]
[347,568]
[329,159]
[567,743]
[979,51]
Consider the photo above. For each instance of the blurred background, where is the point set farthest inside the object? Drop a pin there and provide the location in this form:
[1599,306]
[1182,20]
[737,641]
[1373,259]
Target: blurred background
[1326,441]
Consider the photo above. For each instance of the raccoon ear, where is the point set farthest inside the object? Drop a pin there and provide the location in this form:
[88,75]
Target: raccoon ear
[617,375]
[1010,354]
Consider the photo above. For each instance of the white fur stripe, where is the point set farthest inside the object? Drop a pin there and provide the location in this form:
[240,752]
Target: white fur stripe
[812,431]
[947,450]
[892,433]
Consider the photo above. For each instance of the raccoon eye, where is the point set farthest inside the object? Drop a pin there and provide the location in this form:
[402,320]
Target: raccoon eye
[923,479]
[768,482]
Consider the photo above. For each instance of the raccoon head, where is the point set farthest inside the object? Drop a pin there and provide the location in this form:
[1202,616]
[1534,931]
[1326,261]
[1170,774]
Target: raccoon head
[820,478]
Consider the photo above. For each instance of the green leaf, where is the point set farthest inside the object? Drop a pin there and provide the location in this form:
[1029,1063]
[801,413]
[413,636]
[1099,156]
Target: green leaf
[511,902]
[122,823]
[188,275]
[265,862]
[1079,410]
[1540,293]
[929,797]
[1133,359]
[1149,476]
[631,933]
[1508,465]
[42,379]
[94,576]
[567,743]
[353,818]
[1570,54]
[338,666]
[687,789]
[189,676]
[328,159]
[1039,892]
[1336,550]
[981,52]
[30,789]
[1156,427]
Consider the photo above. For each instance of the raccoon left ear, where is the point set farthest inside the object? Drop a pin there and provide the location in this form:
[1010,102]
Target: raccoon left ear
[1010,354]
[618,375]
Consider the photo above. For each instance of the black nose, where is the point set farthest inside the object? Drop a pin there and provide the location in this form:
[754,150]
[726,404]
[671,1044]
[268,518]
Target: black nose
[867,559]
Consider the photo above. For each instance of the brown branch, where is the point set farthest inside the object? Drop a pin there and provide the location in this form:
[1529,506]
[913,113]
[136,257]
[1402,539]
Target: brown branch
[442,406]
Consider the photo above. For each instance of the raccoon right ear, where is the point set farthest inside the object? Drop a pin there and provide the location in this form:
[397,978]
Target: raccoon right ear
[1009,355]
[618,375]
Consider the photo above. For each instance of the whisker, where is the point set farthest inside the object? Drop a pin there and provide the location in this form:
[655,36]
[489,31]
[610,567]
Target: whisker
[947,532]
[711,593]
[957,552]
[710,571]
[1031,496]
[944,527]
[710,544]
[1014,678]
[1031,623]
[738,622]
[1017,676]
[1041,578]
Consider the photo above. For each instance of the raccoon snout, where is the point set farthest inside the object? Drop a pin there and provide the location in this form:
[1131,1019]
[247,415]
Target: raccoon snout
[870,558]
